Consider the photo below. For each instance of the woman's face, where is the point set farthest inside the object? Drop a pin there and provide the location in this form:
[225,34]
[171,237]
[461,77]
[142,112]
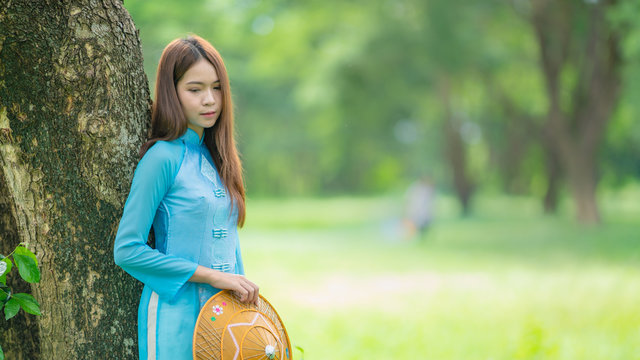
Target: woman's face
[200,95]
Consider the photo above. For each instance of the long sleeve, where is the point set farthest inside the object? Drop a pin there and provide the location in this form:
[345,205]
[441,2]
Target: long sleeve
[154,175]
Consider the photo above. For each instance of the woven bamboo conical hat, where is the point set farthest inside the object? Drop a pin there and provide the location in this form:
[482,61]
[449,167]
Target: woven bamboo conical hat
[227,329]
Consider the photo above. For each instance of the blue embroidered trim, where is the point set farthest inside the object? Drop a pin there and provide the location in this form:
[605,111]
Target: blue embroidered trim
[207,170]
[210,173]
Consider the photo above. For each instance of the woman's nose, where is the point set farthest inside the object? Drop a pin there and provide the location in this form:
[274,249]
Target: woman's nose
[209,98]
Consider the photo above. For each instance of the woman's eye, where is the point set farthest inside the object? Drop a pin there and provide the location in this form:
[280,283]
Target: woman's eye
[194,90]
[217,88]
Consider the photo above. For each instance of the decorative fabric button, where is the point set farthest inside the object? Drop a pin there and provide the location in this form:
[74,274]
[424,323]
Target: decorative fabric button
[219,233]
[220,192]
[224,267]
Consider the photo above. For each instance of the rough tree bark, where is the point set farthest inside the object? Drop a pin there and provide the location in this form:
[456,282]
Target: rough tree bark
[74,109]
[575,125]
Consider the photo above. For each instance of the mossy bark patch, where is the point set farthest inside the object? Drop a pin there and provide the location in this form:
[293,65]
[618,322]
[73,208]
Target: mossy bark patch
[74,110]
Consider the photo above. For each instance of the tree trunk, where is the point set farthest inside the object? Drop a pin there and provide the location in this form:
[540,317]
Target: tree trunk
[74,109]
[583,184]
[553,172]
[576,128]
[456,150]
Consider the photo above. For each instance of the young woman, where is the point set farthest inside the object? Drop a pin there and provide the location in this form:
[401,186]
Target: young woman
[188,186]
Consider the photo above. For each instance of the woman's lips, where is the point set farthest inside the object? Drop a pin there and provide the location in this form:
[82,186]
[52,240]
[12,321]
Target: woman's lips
[209,114]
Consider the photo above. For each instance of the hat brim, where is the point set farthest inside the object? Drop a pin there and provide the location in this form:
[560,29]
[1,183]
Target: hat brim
[227,329]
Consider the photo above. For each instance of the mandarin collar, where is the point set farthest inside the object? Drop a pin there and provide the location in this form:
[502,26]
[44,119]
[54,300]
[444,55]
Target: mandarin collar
[191,136]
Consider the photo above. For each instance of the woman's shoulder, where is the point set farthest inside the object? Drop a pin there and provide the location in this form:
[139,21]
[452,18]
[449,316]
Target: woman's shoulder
[165,153]
[166,148]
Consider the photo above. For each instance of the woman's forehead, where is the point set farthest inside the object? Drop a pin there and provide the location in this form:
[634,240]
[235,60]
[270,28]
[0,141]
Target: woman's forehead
[200,72]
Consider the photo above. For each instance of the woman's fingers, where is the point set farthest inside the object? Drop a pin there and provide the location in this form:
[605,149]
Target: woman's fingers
[245,290]
[255,294]
[250,292]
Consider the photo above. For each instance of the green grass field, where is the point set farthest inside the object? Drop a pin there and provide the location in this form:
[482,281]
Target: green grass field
[505,283]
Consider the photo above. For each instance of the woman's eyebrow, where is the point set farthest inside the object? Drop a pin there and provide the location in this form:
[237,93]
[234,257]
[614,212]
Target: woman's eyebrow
[200,82]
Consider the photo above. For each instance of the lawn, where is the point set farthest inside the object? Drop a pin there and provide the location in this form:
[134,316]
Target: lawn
[504,283]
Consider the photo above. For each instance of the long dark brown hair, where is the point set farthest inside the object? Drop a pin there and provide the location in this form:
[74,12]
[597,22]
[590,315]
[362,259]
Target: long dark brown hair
[168,122]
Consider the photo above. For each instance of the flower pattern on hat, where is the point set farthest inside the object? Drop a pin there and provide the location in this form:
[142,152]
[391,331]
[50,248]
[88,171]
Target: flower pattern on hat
[217,309]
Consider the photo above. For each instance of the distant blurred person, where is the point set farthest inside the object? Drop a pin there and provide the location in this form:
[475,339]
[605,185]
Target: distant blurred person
[419,206]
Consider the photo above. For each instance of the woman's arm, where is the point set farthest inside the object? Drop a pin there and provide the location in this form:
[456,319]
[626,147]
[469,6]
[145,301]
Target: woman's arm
[246,290]
[165,274]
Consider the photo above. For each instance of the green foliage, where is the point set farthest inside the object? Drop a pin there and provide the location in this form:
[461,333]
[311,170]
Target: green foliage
[28,303]
[8,266]
[618,156]
[27,265]
[345,97]
[11,308]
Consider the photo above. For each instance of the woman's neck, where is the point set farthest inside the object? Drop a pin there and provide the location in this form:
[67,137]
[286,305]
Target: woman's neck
[198,129]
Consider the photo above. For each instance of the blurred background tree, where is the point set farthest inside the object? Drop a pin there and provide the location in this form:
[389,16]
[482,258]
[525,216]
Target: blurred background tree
[362,97]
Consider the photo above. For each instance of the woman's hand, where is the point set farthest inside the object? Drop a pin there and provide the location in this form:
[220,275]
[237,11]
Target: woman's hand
[245,290]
